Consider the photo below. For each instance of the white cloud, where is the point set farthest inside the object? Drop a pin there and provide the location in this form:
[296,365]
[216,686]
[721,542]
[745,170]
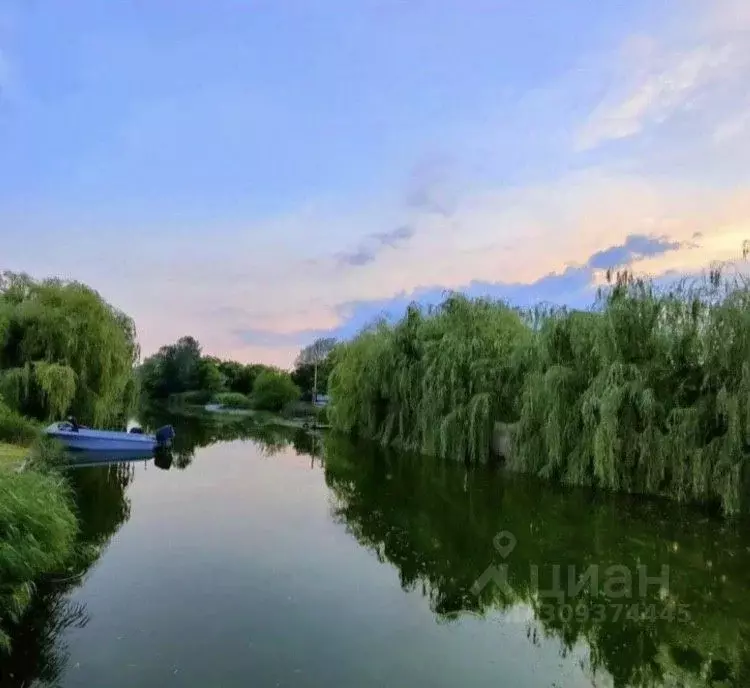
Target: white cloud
[669,88]
[696,66]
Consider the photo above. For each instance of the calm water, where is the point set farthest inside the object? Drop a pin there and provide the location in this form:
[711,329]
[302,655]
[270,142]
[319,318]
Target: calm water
[281,560]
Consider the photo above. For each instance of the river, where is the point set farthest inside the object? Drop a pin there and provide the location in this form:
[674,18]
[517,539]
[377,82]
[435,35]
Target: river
[275,558]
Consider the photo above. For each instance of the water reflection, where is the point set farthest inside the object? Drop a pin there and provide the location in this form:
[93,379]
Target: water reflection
[100,491]
[196,429]
[437,525]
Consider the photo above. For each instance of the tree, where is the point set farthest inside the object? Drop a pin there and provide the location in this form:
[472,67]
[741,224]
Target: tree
[174,369]
[240,377]
[274,389]
[64,349]
[314,356]
[211,379]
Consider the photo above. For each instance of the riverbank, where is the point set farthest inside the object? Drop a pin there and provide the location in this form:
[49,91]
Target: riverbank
[309,416]
[38,524]
[38,530]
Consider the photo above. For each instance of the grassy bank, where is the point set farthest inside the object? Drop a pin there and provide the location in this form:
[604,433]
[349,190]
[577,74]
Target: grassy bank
[11,455]
[646,392]
[38,525]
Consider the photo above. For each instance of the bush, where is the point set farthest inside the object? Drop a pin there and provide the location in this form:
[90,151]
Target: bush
[197,397]
[232,400]
[274,389]
[15,429]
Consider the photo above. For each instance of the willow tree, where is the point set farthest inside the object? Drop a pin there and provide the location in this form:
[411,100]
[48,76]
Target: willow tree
[648,393]
[64,349]
[436,381]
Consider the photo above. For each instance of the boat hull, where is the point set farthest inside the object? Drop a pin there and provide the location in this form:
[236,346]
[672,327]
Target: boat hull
[76,438]
[105,442]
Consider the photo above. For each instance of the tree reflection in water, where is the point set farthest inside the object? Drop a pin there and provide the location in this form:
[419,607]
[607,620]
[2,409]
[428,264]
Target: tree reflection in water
[435,523]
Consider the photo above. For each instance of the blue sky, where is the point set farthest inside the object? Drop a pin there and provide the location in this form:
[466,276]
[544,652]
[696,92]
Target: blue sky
[257,173]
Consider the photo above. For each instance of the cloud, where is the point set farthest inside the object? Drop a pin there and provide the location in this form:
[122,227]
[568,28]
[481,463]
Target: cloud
[428,185]
[733,127]
[374,243]
[269,338]
[357,258]
[635,246]
[669,87]
[690,71]
[395,236]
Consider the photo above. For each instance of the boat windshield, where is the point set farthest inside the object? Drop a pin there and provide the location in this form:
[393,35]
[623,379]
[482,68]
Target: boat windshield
[61,426]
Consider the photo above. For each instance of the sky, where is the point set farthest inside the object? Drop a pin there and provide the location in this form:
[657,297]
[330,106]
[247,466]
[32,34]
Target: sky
[259,173]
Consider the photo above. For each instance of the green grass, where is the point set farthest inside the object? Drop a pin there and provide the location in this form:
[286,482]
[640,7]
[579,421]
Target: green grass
[37,522]
[38,529]
[11,454]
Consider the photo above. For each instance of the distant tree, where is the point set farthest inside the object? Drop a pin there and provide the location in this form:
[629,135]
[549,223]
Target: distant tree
[316,352]
[240,377]
[310,370]
[211,380]
[174,369]
[274,389]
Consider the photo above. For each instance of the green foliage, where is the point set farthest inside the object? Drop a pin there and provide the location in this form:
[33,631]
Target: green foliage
[232,400]
[57,384]
[15,429]
[434,382]
[11,454]
[174,369]
[180,373]
[38,528]
[274,389]
[239,377]
[650,393]
[210,377]
[63,349]
[196,397]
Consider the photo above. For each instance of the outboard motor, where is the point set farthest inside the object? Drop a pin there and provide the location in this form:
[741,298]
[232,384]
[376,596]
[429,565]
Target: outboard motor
[164,436]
